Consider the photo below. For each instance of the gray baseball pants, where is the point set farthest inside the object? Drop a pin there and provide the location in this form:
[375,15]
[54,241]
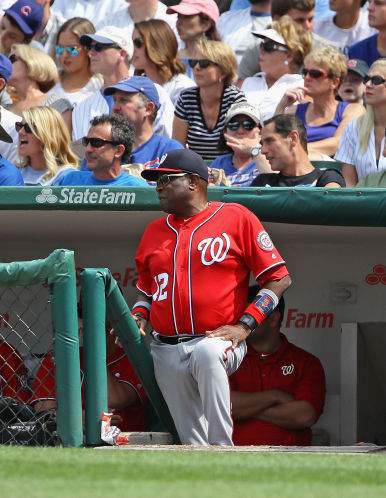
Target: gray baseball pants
[193,378]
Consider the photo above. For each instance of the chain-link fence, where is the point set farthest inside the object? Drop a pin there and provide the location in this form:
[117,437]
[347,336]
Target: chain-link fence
[39,353]
[27,377]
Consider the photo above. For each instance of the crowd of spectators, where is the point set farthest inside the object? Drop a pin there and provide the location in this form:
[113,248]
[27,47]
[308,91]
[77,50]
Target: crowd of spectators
[94,91]
[178,70]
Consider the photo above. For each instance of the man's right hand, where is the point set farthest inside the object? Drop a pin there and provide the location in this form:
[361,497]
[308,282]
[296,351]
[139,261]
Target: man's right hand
[282,396]
[141,322]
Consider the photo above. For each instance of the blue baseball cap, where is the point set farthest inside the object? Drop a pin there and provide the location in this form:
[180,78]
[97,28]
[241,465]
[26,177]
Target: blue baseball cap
[178,161]
[5,67]
[136,84]
[27,14]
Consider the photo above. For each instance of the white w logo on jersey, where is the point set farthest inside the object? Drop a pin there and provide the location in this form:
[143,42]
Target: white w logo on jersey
[217,247]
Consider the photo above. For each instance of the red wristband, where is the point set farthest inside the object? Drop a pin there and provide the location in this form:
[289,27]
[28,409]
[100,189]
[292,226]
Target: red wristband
[142,311]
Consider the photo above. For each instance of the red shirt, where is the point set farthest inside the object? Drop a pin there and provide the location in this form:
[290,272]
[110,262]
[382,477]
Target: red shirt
[13,374]
[290,369]
[197,270]
[43,387]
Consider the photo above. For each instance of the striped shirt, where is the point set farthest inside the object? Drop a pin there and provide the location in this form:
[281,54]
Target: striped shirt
[349,152]
[200,138]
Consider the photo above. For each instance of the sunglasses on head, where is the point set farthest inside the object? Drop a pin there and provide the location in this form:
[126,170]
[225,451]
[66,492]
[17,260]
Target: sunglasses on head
[375,80]
[96,142]
[72,51]
[247,125]
[19,125]
[166,178]
[13,58]
[138,42]
[202,63]
[313,73]
[271,46]
[100,47]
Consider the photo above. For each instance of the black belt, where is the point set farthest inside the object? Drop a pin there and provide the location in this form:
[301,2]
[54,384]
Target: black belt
[176,339]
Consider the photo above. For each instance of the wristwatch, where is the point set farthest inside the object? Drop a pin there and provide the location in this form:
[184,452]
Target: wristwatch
[247,321]
[255,151]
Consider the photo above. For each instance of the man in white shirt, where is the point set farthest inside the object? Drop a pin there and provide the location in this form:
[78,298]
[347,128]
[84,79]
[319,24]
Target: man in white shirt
[139,10]
[348,24]
[93,10]
[236,26]
[8,142]
[110,52]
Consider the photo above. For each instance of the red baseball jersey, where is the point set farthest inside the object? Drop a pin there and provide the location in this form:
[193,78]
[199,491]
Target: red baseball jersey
[197,270]
[133,418]
[290,369]
[13,374]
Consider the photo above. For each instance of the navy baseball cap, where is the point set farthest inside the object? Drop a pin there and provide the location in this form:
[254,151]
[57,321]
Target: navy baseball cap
[5,67]
[136,84]
[27,14]
[358,66]
[178,161]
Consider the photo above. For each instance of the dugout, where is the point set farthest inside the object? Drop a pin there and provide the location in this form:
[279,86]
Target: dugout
[334,242]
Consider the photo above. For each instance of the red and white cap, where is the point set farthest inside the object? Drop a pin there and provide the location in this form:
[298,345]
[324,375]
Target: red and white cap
[191,7]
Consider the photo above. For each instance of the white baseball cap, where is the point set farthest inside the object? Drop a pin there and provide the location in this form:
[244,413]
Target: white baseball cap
[271,34]
[111,34]
[246,108]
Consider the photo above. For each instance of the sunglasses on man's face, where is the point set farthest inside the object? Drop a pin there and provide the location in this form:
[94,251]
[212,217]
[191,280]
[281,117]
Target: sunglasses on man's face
[313,73]
[375,80]
[202,63]
[166,178]
[96,142]
[138,42]
[19,125]
[100,47]
[247,125]
[71,51]
[271,46]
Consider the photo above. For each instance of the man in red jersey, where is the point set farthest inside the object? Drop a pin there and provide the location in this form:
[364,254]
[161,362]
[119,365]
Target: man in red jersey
[193,273]
[278,392]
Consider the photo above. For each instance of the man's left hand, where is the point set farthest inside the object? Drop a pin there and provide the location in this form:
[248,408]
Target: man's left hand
[234,333]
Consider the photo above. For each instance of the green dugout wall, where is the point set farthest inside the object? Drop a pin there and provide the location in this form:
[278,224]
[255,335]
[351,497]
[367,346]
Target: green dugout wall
[334,242]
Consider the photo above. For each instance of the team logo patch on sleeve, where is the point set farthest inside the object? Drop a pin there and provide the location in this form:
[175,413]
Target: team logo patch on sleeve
[264,241]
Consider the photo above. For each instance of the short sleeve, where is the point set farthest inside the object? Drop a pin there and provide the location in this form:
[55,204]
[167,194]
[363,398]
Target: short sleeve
[180,110]
[145,281]
[331,176]
[259,252]
[347,148]
[312,385]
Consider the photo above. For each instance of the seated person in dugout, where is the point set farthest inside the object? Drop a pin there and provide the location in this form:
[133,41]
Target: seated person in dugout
[278,392]
[126,396]
[284,144]
[13,374]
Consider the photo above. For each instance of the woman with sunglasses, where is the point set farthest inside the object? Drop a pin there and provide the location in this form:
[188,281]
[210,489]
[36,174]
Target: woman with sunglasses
[281,52]
[195,21]
[155,56]
[33,74]
[200,111]
[76,80]
[44,146]
[362,147]
[324,117]
[241,137]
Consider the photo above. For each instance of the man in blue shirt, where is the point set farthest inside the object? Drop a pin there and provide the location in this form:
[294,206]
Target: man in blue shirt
[374,47]
[137,100]
[108,145]
[9,174]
